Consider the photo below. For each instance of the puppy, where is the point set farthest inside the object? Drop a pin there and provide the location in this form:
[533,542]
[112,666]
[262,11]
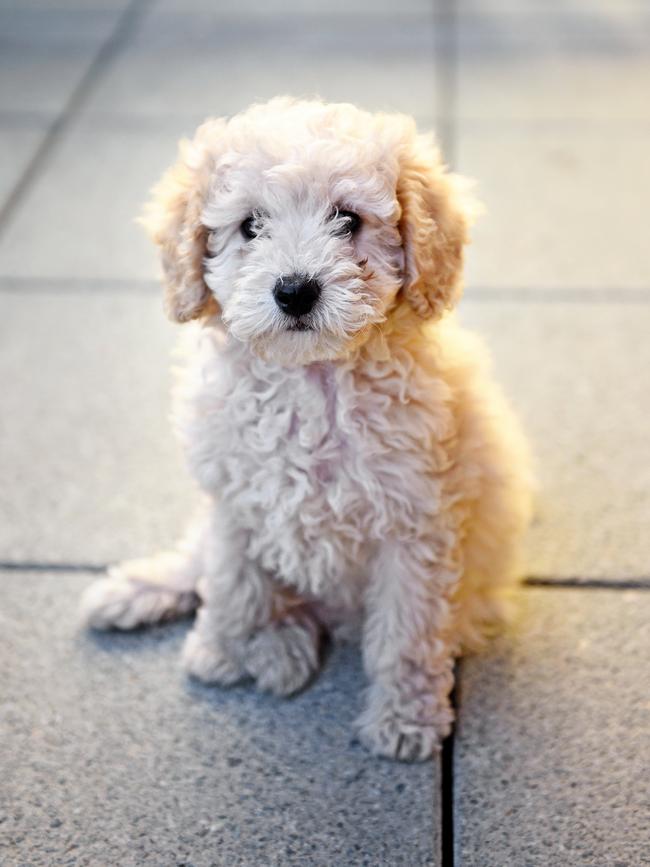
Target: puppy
[359,465]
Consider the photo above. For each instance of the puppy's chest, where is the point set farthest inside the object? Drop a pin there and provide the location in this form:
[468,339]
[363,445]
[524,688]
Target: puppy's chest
[285,449]
[315,453]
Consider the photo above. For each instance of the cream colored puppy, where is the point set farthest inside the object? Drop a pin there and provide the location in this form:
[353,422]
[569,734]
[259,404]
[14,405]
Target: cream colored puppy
[356,456]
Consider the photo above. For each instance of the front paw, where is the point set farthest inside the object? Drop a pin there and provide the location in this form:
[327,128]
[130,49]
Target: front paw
[204,660]
[407,730]
[283,657]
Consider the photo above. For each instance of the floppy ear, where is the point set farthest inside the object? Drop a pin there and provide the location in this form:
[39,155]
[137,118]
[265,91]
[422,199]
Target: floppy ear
[173,220]
[434,224]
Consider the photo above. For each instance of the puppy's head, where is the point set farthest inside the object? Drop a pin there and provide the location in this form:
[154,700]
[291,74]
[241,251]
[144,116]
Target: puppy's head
[298,226]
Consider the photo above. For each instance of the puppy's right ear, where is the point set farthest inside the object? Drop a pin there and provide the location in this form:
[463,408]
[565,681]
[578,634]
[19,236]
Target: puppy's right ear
[173,220]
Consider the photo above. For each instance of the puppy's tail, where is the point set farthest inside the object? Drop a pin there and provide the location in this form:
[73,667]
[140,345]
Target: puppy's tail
[139,592]
[151,590]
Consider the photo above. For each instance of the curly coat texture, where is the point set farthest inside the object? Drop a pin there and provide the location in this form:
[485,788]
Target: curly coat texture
[364,470]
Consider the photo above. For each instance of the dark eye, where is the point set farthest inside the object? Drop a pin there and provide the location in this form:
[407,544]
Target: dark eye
[249,227]
[349,222]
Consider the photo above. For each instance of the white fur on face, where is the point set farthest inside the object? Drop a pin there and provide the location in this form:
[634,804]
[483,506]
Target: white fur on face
[294,180]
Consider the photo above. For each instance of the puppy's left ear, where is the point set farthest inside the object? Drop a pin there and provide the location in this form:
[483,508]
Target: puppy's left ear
[436,214]
[173,221]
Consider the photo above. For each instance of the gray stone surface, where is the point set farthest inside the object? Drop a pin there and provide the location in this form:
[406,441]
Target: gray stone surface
[565,204]
[576,8]
[45,50]
[40,78]
[75,5]
[90,469]
[54,26]
[282,8]
[576,373]
[324,31]
[553,740]
[17,145]
[588,63]
[110,756]
[216,64]
[100,174]
[97,182]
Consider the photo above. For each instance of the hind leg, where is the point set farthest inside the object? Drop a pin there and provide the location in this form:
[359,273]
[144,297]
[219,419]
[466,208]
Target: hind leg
[484,601]
[491,547]
[150,590]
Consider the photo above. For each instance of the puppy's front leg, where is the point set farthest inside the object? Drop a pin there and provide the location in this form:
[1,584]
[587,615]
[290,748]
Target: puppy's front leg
[407,652]
[249,626]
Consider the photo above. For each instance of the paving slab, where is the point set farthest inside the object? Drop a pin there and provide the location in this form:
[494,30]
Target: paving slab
[110,756]
[45,51]
[99,175]
[559,64]
[53,26]
[326,32]
[383,63]
[301,7]
[17,146]
[575,372]
[91,470]
[565,204]
[41,78]
[96,182]
[585,8]
[75,5]
[142,86]
[553,737]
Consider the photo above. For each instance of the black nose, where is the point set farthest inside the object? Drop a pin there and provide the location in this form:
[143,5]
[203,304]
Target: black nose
[296,294]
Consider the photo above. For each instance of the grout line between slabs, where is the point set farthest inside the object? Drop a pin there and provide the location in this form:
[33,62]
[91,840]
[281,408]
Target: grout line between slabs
[447,839]
[577,583]
[447,73]
[54,285]
[572,582]
[584,295]
[79,95]
[43,566]
[125,120]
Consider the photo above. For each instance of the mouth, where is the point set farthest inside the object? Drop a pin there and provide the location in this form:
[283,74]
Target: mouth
[300,326]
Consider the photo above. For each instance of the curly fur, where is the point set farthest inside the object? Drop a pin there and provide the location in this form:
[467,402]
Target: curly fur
[365,471]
